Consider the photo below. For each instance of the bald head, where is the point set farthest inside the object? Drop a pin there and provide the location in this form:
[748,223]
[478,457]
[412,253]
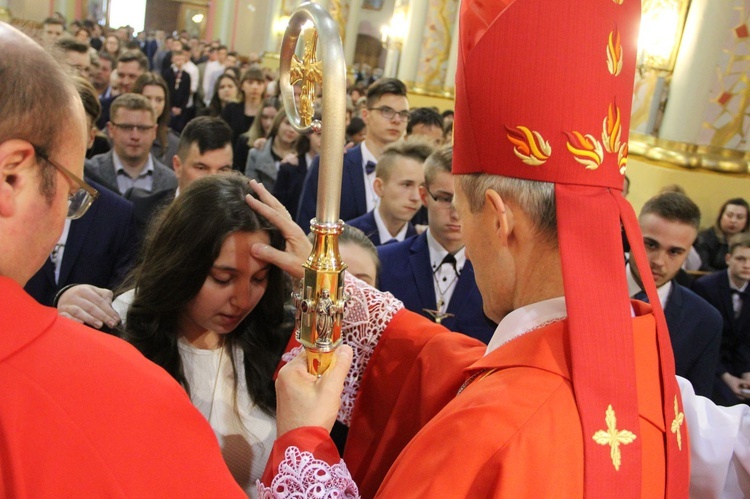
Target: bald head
[42,148]
[39,105]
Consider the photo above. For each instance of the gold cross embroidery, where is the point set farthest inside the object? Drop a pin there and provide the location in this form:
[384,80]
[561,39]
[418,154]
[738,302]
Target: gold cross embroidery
[613,437]
[679,419]
[309,71]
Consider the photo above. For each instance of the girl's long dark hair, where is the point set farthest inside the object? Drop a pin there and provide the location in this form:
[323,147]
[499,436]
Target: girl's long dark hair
[179,252]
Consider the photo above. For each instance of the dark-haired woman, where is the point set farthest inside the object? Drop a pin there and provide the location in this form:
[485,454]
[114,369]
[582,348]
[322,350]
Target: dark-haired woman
[211,314]
[240,115]
[292,171]
[154,88]
[712,244]
[263,164]
[226,91]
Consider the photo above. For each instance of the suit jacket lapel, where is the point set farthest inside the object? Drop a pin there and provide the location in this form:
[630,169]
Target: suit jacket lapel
[73,244]
[673,308]
[49,272]
[419,258]
[107,171]
[725,295]
[353,165]
[463,289]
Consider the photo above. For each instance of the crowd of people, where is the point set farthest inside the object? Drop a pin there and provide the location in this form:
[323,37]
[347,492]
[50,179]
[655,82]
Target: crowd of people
[185,231]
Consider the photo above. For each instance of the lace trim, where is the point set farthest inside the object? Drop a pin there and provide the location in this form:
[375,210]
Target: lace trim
[367,314]
[301,475]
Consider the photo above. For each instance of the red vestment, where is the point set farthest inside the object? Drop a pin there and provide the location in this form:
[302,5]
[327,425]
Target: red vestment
[513,431]
[84,414]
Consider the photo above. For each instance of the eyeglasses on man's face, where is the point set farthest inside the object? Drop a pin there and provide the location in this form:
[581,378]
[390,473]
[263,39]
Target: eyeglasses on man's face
[127,127]
[389,113]
[444,200]
[80,200]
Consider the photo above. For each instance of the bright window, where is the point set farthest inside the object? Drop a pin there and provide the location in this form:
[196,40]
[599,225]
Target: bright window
[127,13]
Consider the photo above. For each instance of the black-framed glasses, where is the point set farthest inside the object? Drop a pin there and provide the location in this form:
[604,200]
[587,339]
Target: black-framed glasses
[78,201]
[127,127]
[444,200]
[388,112]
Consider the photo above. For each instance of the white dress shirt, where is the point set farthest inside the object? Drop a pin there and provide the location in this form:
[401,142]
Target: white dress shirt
[383,232]
[444,277]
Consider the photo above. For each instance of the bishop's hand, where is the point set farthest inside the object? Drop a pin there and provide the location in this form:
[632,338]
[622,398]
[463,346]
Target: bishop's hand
[298,247]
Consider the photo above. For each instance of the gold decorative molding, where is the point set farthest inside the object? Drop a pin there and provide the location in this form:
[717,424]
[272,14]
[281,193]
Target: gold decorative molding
[430,90]
[690,156]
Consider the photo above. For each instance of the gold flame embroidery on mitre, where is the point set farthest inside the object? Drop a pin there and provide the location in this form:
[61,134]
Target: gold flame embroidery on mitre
[613,437]
[622,157]
[612,129]
[586,150]
[529,146]
[614,53]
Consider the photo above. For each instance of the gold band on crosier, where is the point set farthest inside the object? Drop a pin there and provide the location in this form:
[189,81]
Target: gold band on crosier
[320,297]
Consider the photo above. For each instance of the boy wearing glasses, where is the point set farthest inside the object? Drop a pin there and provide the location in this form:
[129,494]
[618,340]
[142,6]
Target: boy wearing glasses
[398,179]
[386,116]
[129,164]
[429,273]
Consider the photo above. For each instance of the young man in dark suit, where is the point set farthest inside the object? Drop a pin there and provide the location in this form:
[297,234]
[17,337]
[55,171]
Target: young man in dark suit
[386,117]
[430,273]
[669,223]
[398,177]
[97,248]
[179,83]
[727,291]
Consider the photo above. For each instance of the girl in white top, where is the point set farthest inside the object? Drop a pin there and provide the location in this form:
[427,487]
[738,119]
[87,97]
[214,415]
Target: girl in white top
[211,314]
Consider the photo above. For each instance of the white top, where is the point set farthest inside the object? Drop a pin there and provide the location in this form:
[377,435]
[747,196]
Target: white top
[444,277]
[190,68]
[245,432]
[211,73]
[719,436]
[370,196]
[383,232]
[121,304]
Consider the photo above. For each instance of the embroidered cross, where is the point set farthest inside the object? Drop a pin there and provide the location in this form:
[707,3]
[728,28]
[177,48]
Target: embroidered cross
[679,419]
[309,71]
[613,437]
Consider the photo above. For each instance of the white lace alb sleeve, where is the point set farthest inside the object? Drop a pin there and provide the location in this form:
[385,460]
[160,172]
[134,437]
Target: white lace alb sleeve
[301,475]
[366,316]
[719,446]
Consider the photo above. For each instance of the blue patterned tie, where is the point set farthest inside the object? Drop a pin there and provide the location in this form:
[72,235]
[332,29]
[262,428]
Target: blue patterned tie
[370,167]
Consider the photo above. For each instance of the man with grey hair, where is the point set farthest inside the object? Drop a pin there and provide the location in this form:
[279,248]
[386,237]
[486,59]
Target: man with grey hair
[129,164]
[576,375]
[82,413]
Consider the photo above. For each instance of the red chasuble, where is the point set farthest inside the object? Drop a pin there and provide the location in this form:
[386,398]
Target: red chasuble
[84,414]
[513,431]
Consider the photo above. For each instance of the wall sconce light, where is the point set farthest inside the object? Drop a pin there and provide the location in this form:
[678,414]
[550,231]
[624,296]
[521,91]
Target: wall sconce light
[279,27]
[197,19]
[392,34]
[662,23]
